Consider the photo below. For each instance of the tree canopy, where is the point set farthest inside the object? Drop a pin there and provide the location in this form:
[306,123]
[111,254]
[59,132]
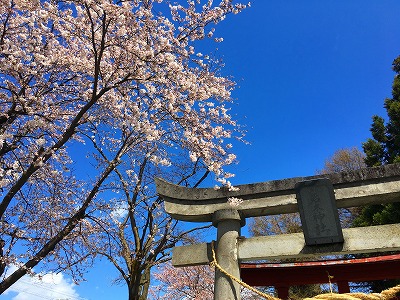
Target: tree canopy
[344,160]
[118,89]
[384,146]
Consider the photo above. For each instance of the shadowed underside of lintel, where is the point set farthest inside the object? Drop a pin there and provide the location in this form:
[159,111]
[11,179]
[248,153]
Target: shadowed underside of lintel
[356,188]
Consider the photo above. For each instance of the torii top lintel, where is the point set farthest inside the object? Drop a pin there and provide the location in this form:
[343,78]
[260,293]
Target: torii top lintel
[364,186]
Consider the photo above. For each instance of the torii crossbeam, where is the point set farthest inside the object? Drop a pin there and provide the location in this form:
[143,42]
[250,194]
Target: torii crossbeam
[357,188]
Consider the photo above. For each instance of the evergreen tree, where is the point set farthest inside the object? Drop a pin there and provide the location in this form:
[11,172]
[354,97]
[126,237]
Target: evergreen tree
[384,148]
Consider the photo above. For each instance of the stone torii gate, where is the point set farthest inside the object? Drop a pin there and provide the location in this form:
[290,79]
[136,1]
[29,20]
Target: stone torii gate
[348,189]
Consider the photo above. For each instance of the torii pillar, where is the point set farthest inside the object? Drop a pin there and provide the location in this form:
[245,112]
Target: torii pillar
[228,223]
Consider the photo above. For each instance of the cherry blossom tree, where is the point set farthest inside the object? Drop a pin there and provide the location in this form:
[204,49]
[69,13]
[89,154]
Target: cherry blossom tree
[135,233]
[123,82]
[193,283]
[184,283]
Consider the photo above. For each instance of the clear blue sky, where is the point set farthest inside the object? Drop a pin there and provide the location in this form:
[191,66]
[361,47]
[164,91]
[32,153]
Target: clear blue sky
[311,74]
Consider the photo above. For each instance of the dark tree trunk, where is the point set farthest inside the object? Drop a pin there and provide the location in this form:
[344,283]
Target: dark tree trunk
[139,286]
[2,263]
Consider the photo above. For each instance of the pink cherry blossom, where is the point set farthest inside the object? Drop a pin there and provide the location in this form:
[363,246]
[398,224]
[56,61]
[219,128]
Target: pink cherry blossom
[123,85]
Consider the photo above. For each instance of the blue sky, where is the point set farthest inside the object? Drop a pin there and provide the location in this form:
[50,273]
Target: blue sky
[310,76]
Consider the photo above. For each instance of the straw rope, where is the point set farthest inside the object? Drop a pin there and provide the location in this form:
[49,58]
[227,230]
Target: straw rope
[214,263]
[388,294]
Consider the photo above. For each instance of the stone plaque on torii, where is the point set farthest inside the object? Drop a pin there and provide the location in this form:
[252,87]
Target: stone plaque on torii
[348,189]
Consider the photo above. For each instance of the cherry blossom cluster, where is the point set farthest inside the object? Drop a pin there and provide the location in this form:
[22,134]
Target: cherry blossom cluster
[123,83]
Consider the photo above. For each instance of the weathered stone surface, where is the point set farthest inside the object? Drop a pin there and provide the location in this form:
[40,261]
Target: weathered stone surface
[227,214]
[366,186]
[228,223]
[356,240]
[191,255]
[318,212]
[353,178]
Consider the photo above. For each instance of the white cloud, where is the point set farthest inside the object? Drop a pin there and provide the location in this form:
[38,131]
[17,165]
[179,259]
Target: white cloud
[50,286]
[120,210]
